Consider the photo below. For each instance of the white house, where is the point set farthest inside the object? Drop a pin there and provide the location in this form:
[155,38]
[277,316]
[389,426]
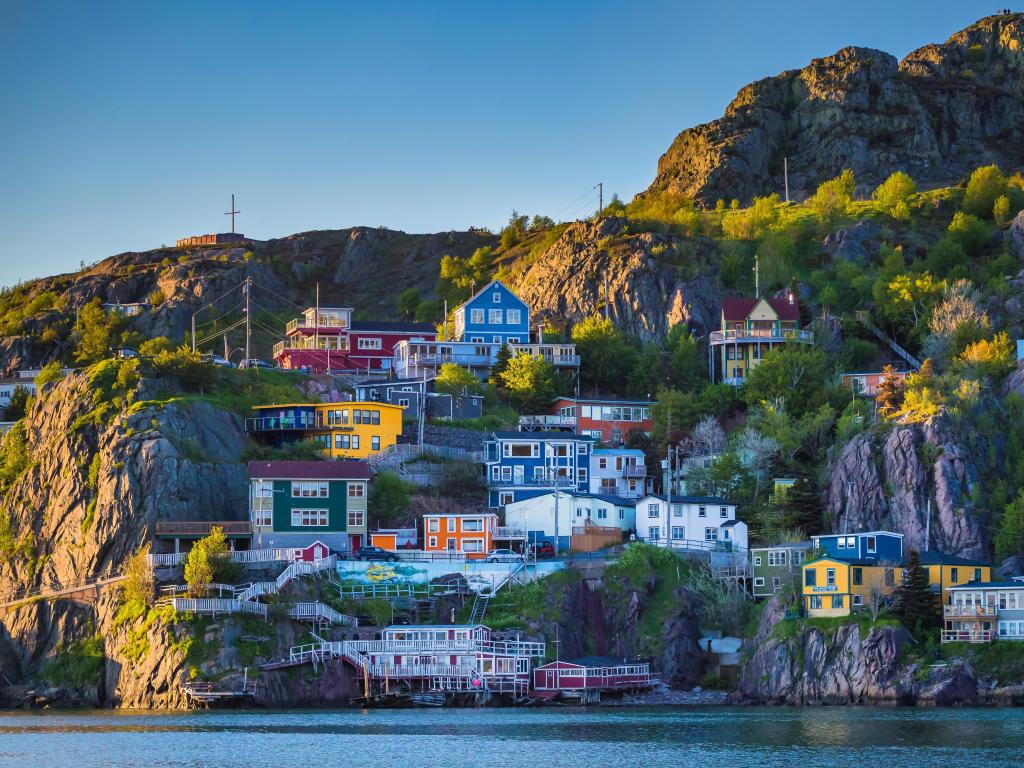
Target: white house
[691,519]
[536,516]
[8,386]
[618,472]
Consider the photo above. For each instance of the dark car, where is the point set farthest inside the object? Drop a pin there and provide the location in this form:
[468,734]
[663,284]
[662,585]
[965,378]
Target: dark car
[374,553]
[544,549]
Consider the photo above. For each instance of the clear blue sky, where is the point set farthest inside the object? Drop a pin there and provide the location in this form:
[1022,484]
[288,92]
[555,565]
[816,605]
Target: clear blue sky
[127,125]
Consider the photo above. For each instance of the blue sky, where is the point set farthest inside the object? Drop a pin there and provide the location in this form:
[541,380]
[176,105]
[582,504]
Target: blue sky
[128,125]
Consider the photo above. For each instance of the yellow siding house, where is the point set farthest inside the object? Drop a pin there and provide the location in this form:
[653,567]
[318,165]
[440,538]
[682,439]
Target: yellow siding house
[836,587]
[350,430]
[945,571]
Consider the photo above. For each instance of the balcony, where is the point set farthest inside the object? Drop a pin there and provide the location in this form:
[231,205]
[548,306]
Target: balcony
[438,358]
[305,343]
[277,424]
[775,335]
[199,529]
[505,533]
[968,611]
[547,422]
[527,482]
[968,635]
[326,323]
[634,471]
[559,355]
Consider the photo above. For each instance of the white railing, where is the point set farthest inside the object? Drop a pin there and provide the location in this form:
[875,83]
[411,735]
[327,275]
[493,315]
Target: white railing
[320,612]
[760,334]
[498,647]
[634,471]
[421,670]
[302,568]
[968,635]
[547,421]
[244,556]
[256,589]
[508,532]
[213,606]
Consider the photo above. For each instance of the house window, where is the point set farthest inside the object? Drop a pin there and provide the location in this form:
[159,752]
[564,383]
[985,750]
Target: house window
[451,525]
[494,317]
[830,577]
[798,558]
[814,602]
[810,578]
[521,450]
[776,557]
[652,510]
[602,463]
[702,511]
[776,582]
[472,526]
[602,514]
[476,316]
[677,510]
[432,542]
[757,561]
[841,543]
[356,518]
[871,544]
[263,518]
[851,542]
[622,514]
[404,402]
[309,490]
[710,534]
[758,582]
[581,449]
[368,344]
[579,512]
[512,316]
[890,577]
[306,518]
[505,498]
[433,525]
[473,545]
[723,512]
[356,490]
[977,574]
[837,601]
[496,297]
[858,576]
[858,599]
[581,475]
[654,534]
[355,442]
[954,574]
[375,443]
[678,532]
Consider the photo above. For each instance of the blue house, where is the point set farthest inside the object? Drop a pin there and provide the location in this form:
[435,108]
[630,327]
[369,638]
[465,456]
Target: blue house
[522,465]
[494,315]
[868,546]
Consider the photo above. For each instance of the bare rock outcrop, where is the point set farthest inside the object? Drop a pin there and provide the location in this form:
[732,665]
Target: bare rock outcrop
[884,482]
[941,112]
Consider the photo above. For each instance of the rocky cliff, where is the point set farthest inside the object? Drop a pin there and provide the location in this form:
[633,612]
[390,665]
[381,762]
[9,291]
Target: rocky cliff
[938,114]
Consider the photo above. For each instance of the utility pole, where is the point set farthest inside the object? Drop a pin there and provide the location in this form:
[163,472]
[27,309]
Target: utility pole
[232,213]
[757,276]
[225,346]
[316,327]
[600,196]
[606,297]
[846,517]
[445,321]
[246,288]
[928,526]
[785,174]
[193,332]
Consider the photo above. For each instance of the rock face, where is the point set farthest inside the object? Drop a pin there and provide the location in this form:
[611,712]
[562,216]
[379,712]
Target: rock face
[883,482]
[938,114]
[647,294]
[1016,234]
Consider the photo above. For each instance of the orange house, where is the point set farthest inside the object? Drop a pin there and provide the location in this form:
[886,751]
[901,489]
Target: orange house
[471,534]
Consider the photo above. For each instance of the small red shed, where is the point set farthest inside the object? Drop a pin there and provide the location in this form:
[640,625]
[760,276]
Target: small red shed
[601,673]
[315,551]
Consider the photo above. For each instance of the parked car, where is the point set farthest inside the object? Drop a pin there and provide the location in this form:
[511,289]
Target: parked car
[503,556]
[217,360]
[254,362]
[374,553]
[544,549]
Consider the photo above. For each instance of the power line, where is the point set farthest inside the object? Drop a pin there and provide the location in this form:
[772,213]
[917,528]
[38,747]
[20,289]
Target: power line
[588,194]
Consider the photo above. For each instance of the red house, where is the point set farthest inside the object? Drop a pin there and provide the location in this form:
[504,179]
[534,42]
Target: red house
[592,673]
[607,420]
[867,383]
[328,339]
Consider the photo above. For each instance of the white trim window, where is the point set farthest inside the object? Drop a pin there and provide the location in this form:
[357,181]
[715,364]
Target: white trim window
[494,317]
[759,581]
[310,489]
[653,511]
[472,545]
[476,316]
[513,316]
[496,297]
[310,518]
[356,518]
[710,534]
[505,497]
[369,343]
[356,490]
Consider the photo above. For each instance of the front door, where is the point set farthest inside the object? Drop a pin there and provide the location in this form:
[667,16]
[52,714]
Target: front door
[355,541]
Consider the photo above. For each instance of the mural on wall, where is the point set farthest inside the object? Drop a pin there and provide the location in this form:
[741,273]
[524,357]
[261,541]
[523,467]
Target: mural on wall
[480,576]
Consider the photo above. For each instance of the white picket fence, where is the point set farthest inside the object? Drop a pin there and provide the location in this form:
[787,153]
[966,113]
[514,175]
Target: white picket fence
[243,557]
[320,612]
[215,606]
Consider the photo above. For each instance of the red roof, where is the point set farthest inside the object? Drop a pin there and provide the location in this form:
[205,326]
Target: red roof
[738,309]
[310,470]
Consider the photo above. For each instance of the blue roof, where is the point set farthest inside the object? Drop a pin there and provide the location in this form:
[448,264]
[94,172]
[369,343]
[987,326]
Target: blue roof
[693,499]
[990,585]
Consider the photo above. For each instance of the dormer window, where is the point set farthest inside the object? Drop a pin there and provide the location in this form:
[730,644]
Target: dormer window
[496,297]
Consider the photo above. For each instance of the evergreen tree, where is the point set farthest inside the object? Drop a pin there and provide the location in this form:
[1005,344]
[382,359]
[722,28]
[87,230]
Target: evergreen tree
[804,503]
[889,395]
[500,364]
[916,606]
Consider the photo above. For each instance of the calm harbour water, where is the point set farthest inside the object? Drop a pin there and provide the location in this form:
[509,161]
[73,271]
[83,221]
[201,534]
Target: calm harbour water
[595,738]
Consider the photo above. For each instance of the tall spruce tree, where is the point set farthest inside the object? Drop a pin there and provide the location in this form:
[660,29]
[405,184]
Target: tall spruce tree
[916,606]
[804,503]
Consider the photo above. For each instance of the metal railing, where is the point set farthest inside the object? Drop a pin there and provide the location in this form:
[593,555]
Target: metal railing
[278,424]
[760,334]
[540,482]
[324,321]
[634,471]
[497,647]
[508,532]
[202,528]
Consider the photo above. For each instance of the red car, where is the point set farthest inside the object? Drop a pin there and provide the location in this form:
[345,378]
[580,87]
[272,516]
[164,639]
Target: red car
[544,549]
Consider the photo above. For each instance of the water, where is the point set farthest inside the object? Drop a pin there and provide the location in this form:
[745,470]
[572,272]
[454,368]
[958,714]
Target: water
[716,737]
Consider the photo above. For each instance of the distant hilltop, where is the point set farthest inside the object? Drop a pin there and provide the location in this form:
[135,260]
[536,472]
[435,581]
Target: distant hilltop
[943,111]
[219,239]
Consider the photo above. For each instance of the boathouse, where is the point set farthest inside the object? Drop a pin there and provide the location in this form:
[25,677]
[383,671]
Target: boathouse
[592,673]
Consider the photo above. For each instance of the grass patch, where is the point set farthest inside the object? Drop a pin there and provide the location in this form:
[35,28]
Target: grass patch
[1002,661]
[79,663]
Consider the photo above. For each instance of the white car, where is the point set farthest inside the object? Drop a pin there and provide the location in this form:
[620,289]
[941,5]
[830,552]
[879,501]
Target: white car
[504,556]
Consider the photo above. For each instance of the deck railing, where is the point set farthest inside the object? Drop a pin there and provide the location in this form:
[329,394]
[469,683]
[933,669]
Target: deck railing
[277,424]
[214,606]
[277,555]
[968,635]
[320,612]
[203,528]
[498,647]
[968,611]
[760,334]
[543,420]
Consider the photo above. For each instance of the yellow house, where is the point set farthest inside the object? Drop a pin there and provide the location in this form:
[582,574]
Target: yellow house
[836,587]
[351,430]
[750,329]
[945,571]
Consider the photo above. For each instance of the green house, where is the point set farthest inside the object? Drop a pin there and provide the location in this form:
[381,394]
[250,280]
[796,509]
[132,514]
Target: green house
[774,567]
[295,504]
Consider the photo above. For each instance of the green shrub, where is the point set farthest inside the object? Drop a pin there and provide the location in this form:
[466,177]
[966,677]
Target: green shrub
[79,663]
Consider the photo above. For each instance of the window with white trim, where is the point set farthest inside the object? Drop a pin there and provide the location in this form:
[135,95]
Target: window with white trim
[307,518]
[759,581]
[723,512]
[476,316]
[710,534]
[356,490]
[512,316]
[451,524]
[702,511]
[652,510]
[496,297]
[433,525]
[505,498]
[757,561]
[356,518]
[494,317]
[432,542]
[372,343]
[472,545]
[310,489]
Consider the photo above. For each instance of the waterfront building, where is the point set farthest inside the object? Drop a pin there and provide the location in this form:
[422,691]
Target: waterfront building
[835,586]
[982,612]
[946,571]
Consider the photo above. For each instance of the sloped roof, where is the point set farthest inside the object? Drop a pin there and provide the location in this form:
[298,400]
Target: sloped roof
[527,436]
[483,290]
[346,469]
[739,309]
[389,327]
[933,557]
